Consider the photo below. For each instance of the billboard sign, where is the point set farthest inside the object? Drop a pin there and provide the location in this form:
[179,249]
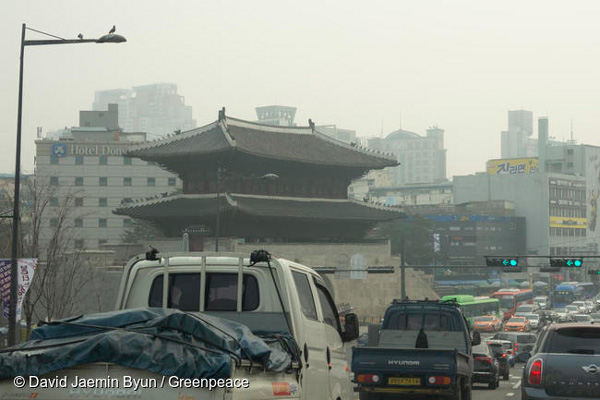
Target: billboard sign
[512,166]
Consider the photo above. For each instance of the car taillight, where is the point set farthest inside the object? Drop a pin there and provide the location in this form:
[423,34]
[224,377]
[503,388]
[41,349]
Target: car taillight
[535,372]
[368,378]
[484,359]
[439,380]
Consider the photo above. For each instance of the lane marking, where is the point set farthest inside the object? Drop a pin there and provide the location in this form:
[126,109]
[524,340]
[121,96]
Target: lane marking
[516,386]
[511,394]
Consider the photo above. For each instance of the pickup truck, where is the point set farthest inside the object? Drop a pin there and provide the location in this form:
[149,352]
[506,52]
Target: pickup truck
[565,364]
[208,304]
[423,348]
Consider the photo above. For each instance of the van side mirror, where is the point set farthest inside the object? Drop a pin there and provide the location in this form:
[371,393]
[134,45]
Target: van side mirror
[476,338]
[350,327]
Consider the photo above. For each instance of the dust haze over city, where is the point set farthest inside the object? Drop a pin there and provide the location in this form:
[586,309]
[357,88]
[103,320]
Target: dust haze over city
[369,67]
[422,176]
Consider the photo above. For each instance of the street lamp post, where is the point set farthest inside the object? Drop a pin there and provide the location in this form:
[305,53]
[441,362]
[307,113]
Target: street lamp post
[220,172]
[109,38]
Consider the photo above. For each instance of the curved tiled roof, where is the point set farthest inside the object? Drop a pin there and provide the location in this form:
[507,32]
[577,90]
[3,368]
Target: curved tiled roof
[299,144]
[203,205]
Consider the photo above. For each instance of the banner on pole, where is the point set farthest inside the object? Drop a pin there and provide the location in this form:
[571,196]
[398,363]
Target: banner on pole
[26,269]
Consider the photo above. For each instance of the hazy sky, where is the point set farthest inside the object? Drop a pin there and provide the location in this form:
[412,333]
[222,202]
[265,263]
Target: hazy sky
[460,65]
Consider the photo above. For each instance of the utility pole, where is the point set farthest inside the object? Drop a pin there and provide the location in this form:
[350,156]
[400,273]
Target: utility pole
[402,271]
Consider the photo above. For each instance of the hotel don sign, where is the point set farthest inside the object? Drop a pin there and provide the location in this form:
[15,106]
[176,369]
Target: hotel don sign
[71,149]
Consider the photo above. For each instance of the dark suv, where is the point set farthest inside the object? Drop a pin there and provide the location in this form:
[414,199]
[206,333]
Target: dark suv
[486,366]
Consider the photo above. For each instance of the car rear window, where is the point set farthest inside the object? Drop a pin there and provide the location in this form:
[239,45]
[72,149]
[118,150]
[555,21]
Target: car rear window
[221,292]
[417,317]
[580,340]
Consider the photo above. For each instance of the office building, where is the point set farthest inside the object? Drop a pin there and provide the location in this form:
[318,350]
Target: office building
[276,115]
[87,163]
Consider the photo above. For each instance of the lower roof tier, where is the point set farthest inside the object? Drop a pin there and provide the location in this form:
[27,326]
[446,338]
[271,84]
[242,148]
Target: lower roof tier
[256,216]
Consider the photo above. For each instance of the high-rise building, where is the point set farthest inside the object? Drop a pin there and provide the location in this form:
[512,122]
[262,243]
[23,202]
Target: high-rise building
[156,109]
[422,158]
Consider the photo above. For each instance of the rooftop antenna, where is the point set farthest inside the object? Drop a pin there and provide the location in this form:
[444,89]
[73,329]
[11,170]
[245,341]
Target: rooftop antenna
[572,130]
[400,121]
[381,126]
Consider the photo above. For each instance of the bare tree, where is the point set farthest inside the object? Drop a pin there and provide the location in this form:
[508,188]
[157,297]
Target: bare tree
[49,233]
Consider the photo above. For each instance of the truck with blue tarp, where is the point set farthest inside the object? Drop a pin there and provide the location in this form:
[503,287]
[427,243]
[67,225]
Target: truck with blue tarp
[423,348]
[194,326]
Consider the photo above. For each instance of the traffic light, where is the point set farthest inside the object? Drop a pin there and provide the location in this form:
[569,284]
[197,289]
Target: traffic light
[595,272]
[507,262]
[566,262]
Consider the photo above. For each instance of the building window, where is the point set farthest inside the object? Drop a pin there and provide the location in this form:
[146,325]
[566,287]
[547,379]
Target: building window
[172,181]
[79,181]
[53,160]
[78,160]
[79,244]
[103,181]
[151,181]
[54,201]
[78,223]
[53,222]
[126,160]
[127,200]
[102,202]
[127,223]
[102,241]
[102,223]
[54,180]
[126,181]
[79,202]
[103,160]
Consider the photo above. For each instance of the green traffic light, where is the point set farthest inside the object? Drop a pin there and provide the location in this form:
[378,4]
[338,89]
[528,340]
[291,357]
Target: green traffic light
[577,263]
[513,263]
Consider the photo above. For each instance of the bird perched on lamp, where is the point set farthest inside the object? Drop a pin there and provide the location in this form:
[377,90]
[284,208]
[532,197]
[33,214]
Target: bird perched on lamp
[114,28]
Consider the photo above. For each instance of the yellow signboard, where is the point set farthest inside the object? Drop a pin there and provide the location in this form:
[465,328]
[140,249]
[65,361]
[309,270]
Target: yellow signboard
[510,166]
[568,222]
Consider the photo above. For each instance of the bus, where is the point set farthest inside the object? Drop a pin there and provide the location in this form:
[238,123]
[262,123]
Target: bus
[566,293]
[472,306]
[512,298]
[589,290]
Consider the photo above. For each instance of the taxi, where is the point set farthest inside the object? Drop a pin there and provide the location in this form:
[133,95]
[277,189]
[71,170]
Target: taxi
[487,323]
[517,324]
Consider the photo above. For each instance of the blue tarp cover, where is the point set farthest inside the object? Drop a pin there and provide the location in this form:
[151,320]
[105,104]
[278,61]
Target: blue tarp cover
[165,341]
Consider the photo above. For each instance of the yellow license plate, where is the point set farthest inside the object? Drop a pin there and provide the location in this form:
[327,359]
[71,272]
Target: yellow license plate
[405,381]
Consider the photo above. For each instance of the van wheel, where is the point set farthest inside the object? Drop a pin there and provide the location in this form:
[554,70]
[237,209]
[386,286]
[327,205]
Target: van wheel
[459,395]
[506,376]
[466,391]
